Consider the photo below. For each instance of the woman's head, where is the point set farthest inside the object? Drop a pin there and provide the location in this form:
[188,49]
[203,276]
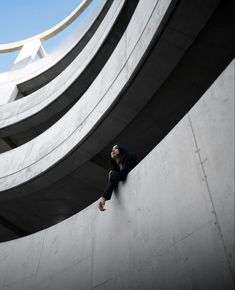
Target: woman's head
[118,150]
[115,152]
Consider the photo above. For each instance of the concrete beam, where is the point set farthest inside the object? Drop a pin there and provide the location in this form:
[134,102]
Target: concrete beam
[88,112]
[169,226]
[39,73]
[62,87]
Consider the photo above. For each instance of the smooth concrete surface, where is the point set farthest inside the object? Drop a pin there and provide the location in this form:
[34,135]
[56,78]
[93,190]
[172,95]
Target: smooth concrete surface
[161,91]
[179,43]
[38,155]
[214,138]
[8,93]
[28,53]
[14,113]
[40,72]
[22,132]
[21,109]
[169,226]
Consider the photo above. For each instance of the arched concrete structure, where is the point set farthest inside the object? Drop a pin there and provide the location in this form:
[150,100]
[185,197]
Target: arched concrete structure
[85,114]
[169,226]
[9,47]
[159,69]
[32,46]
[68,86]
[39,73]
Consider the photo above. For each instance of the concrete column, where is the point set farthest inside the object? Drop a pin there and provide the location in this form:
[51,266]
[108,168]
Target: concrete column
[28,53]
[8,93]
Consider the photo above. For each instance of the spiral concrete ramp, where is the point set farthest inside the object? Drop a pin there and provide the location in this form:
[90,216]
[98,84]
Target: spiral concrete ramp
[157,76]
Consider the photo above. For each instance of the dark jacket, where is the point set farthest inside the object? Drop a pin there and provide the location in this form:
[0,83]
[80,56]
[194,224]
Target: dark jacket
[129,161]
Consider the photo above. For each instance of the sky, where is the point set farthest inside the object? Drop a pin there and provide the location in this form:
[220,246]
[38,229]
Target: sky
[21,19]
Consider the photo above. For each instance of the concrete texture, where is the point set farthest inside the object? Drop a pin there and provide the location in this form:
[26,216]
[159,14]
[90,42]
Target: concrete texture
[62,86]
[169,226]
[165,82]
[8,93]
[41,153]
[59,95]
[214,141]
[41,72]
[28,54]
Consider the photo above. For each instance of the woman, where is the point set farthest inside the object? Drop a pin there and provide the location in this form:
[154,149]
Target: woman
[122,163]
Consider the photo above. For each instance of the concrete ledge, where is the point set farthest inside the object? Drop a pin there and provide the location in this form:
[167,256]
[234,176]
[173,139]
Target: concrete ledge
[72,129]
[165,228]
[41,72]
[66,88]
[165,84]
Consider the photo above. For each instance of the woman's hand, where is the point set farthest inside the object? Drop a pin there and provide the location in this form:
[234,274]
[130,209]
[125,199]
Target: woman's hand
[101,203]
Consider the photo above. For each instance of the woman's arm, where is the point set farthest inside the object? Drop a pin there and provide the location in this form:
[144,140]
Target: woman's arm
[127,166]
[115,176]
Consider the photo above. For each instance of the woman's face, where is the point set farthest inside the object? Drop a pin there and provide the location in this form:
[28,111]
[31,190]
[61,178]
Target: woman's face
[115,152]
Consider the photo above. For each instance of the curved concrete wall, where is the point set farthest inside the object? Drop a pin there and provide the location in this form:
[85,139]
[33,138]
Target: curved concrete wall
[50,66]
[169,226]
[36,156]
[26,107]
[151,89]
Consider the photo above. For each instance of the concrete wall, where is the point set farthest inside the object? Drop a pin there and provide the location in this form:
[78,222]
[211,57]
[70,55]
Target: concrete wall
[50,62]
[21,109]
[169,226]
[38,155]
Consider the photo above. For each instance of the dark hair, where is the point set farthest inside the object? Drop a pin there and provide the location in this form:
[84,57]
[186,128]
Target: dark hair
[122,152]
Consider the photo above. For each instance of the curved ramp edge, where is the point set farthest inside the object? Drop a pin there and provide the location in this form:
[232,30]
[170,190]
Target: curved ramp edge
[78,122]
[37,74]
[61,93]
[169,226]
